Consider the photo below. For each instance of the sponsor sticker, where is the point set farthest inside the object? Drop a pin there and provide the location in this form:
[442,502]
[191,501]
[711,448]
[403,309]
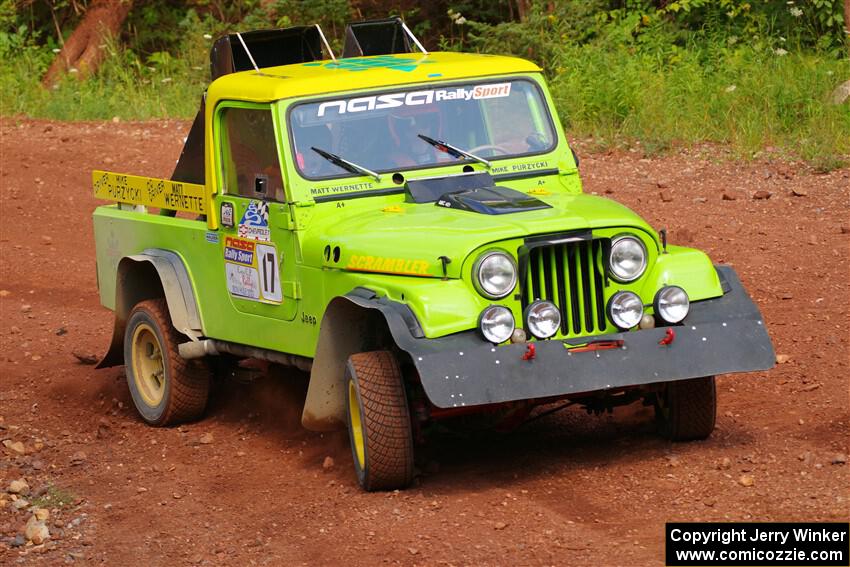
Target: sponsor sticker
[254,223]
[414,98]
[252,270]
[238,256]
[227,215]
[242,281]
[212,237]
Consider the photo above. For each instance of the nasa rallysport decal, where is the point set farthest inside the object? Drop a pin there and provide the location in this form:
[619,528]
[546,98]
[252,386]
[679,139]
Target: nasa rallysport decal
[251,269]
[254,224]
[414,98]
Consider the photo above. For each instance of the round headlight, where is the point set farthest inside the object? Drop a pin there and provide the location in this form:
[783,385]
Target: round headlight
[496,324]
[672,304]
[543,319]
[494,274]
[625,309]
[628,258]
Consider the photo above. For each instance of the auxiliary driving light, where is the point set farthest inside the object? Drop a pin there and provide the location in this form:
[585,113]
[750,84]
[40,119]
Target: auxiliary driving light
[542,319]
[672,304]
[496,323]
[519,336]
[625,309]
[647,321]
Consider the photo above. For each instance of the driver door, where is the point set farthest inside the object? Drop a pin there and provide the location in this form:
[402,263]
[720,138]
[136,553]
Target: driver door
[257,244]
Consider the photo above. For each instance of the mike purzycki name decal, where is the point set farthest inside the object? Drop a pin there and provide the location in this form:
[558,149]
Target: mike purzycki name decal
[744,544]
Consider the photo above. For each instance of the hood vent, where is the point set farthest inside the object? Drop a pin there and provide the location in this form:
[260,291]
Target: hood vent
[474,192]
[491,201]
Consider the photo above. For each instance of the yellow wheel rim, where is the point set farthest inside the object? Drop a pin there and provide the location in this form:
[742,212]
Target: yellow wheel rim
[356,426]
[148,365]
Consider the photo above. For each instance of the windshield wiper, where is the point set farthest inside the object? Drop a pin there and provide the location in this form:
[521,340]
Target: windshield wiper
[453,151]
[345,164]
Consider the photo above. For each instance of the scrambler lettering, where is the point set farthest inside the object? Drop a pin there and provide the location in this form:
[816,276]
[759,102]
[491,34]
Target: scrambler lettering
[388,265]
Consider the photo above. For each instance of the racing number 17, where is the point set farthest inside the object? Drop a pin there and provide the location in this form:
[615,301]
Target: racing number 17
[268,273]
[267,260]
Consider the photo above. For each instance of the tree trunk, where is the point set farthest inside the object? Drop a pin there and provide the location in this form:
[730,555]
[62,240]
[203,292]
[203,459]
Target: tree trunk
[523,6]
[84,48]
[847,23]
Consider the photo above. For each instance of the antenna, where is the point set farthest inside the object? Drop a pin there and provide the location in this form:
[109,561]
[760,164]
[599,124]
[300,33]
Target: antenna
[251,57]
[413,37]
[325,41]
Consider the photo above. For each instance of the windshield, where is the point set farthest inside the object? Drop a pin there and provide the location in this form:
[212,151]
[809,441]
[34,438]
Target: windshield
[382,132]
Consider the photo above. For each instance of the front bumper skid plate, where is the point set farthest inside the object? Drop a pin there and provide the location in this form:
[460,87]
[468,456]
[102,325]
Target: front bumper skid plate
[720,336]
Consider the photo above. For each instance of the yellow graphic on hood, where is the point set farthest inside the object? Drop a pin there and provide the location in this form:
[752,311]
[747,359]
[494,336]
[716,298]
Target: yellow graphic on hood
[388,265]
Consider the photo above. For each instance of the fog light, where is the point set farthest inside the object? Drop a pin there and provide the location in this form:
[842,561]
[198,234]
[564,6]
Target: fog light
[672,304]
[542,319]
[647,321]
[496,324]
[519,336]
[625,309]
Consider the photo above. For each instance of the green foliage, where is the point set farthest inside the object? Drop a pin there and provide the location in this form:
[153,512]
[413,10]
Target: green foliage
[55,497]
[747,73]
[743,98]
[125,85]
[688,71]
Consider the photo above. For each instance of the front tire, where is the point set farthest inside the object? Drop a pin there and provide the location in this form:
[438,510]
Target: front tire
[378,421]
[686,410]
[166,388]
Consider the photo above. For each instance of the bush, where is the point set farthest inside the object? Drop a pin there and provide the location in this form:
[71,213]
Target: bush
[683,74]
[750,74]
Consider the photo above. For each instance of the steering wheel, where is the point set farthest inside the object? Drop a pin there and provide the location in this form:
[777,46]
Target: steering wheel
[494,147]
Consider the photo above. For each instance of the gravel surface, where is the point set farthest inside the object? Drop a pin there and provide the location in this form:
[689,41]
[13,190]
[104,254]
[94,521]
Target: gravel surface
[247,486]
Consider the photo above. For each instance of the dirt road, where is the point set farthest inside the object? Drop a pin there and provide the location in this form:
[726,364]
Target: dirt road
[247,486]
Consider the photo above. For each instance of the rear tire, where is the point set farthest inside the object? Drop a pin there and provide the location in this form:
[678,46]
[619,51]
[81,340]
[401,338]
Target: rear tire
[166,388]
[378,421]
[686,409]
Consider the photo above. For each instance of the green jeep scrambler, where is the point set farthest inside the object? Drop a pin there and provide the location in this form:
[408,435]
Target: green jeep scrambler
[409,228]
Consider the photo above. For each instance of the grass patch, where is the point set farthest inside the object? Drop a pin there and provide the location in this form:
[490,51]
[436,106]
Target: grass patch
[162,87]
[55,497]
[746,99]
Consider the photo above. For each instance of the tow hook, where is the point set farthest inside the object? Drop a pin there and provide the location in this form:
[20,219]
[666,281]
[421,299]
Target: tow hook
[530,352]
[669,337]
